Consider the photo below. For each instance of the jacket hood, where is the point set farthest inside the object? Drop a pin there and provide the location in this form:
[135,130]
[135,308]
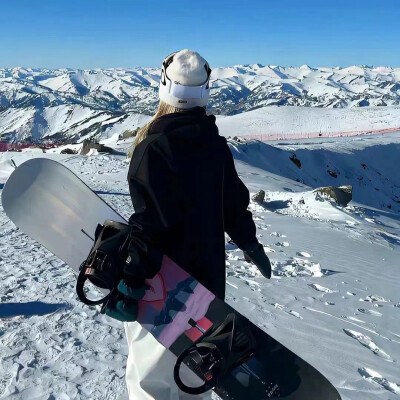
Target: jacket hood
[188,124]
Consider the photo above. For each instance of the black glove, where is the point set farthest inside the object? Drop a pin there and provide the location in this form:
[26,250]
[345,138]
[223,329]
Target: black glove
[141,260]
[258,257]
[123,302]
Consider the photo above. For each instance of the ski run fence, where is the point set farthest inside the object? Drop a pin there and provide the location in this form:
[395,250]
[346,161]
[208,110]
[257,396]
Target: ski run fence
[263,137]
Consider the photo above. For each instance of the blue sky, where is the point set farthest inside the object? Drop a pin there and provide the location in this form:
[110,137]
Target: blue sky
[128,33]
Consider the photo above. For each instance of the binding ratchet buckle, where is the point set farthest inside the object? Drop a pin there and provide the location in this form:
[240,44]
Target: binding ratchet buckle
[216,353]
[92,269]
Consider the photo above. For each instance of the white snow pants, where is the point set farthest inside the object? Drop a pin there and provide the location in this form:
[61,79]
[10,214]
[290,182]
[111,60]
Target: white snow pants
[150,367]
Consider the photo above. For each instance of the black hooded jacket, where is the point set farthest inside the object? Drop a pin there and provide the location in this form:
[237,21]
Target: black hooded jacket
[186,192]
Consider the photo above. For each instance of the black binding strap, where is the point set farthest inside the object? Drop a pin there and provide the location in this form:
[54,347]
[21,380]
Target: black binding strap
[83,276]
[195,357]
[103,265]
[218,351]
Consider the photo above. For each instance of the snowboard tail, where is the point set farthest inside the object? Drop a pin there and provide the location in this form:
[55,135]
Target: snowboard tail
[52,205]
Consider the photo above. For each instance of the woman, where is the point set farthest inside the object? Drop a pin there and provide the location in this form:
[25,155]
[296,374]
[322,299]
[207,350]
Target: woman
[186,194]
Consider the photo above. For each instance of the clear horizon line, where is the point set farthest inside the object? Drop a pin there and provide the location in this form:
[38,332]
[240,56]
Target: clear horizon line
[213,67]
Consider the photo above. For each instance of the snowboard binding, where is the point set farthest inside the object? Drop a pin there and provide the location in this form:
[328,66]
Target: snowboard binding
[216,353]
[102,266]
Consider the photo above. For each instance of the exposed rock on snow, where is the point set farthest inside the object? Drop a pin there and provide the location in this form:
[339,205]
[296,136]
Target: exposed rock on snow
[295,160]
[68,151]
[89,146]
[342,195]
[259,196]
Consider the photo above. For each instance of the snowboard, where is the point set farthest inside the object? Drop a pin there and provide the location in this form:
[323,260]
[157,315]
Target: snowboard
[48,202]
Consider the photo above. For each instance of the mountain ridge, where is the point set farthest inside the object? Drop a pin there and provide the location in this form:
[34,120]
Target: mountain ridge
[106,94]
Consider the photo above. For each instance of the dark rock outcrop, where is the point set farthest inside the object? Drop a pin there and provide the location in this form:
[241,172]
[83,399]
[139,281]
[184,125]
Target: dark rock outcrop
[259,197]
[342,195]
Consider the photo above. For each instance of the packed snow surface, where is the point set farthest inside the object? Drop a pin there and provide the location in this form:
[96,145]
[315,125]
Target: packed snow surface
[334,296]
[269,123]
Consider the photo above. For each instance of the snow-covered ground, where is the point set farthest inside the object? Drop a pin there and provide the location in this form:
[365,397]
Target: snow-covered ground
[268,123]
[334,297]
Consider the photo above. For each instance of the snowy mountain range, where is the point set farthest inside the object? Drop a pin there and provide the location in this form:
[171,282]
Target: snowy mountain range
[68,105]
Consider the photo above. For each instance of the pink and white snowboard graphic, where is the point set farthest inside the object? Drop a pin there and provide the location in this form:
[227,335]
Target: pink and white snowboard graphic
[173,299]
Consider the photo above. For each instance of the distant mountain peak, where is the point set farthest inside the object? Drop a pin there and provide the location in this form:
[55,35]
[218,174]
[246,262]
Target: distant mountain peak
[101,94]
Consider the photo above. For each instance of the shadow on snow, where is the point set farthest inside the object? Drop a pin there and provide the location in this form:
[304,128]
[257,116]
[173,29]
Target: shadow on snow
[8,310]
[113,193]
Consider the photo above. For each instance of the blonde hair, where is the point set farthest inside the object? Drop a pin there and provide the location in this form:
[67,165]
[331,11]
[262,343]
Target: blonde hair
[163,109]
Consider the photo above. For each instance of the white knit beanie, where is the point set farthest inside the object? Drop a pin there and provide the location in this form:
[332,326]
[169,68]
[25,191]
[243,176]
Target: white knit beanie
[186,80]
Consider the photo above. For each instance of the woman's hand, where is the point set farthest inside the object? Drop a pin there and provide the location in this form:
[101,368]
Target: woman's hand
[123,303]
[260,260]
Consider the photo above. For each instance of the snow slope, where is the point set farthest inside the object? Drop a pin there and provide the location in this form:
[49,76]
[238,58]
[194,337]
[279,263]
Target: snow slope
[65,123]
[270,123]
[359,161]
[333,298]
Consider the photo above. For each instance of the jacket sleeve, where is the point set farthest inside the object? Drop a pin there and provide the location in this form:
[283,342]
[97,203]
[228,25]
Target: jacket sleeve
[238,221]
[156,198]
